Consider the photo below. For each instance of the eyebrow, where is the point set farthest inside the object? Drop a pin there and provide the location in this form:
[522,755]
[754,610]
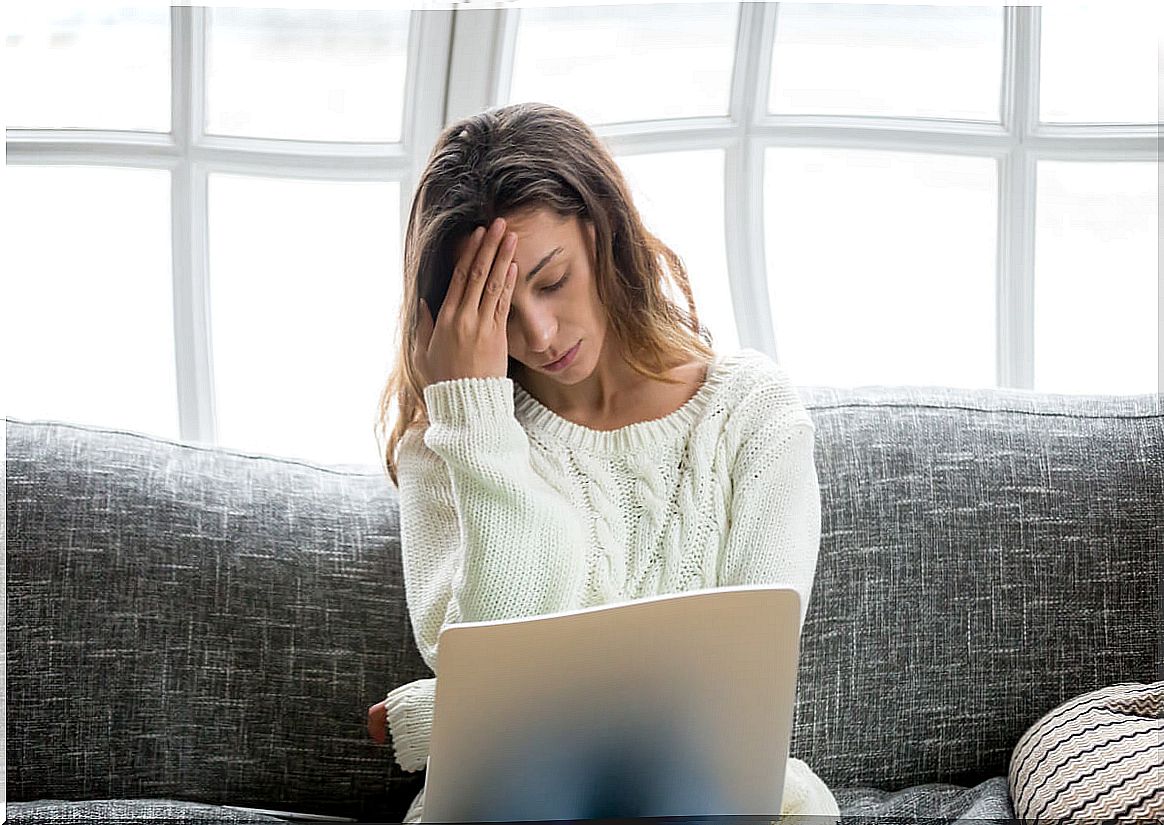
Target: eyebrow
[529,275]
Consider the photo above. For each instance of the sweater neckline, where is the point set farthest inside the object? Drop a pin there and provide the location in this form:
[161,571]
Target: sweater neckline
[640,434]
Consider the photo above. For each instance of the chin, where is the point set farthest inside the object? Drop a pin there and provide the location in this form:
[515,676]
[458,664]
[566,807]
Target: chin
[568,380]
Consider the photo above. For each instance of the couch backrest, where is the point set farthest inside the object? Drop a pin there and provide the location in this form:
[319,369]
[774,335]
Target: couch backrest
[200,624]
[984,556]
[203,624]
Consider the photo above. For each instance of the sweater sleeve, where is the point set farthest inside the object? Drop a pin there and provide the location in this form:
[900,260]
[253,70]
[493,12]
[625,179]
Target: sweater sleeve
[774,533]
[497,542]
[482,536]
[774,538]
[410,709]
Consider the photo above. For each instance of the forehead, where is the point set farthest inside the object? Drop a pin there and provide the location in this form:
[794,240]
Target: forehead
[541,222]
[536,229]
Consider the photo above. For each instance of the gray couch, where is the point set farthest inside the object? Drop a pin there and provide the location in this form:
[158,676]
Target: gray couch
[191,627]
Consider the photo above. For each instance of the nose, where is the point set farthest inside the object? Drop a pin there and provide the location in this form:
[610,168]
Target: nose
[536,331]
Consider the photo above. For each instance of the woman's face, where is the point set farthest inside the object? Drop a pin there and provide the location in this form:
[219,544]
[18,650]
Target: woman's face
[555,303]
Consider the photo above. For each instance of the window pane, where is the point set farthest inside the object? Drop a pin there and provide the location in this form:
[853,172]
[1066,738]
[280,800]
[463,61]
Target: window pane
[88,297]
[306,75]
[898,61]
[881,266]
[304,291]
[87,68]
[1098,65]
[609,64]
[1096,293]
[680,198]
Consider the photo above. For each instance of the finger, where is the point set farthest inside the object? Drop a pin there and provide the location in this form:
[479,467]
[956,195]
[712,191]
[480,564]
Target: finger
[421,338]
[482,266]
[424,326]
[498,275]
[461,271]
[502,315]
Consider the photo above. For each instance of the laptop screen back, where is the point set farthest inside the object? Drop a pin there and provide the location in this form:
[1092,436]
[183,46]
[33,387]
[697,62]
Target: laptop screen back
[676,705]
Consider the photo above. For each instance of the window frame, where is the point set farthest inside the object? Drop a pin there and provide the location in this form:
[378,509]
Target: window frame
[1016,143]
[460,61]
[191,156]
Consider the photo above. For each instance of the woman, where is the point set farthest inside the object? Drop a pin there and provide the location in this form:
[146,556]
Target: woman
[566,436]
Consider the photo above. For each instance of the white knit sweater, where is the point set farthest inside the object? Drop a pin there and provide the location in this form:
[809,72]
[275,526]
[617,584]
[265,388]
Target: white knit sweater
[509,510]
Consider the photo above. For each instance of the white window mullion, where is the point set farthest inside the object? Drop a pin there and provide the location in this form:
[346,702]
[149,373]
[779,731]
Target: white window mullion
[506,50]
[744,180]
[1016,223]
[425,97]
[188,221]
[1015,330]
[481,60]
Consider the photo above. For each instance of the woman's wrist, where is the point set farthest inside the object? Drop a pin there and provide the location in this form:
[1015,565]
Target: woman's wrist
[462,401]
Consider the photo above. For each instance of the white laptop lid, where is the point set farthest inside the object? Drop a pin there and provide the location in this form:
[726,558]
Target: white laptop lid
[674,705]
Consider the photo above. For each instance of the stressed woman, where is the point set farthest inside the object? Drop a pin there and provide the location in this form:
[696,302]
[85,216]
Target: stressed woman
[565,434]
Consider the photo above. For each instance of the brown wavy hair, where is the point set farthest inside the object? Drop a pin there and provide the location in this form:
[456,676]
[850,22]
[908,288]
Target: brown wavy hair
[515,159]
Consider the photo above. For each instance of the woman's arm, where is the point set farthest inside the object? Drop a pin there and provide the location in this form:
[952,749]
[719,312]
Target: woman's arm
[494,541]
[774,537]
[408,713]
[482,536]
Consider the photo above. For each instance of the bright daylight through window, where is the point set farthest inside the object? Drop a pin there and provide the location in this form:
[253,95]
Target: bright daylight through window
[205,206]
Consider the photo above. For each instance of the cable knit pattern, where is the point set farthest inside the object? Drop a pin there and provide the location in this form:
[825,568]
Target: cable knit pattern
[509,510]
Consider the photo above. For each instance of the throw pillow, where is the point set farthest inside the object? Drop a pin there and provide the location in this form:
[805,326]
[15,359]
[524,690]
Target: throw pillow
[1097,756]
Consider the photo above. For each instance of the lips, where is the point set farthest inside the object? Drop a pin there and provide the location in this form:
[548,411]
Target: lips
[565,355]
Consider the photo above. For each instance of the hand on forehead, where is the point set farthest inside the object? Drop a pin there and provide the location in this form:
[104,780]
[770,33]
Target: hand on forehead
[543,239]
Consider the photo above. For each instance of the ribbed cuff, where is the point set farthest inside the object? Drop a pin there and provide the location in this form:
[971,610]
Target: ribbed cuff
[410,722]
[464,400]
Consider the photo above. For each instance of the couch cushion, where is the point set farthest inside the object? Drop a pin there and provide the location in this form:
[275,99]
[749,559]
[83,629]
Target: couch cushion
[985,555]
[203,624]
[1098,756]
[935,802]
[127,812]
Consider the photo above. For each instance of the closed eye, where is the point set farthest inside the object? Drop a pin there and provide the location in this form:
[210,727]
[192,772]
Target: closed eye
[557,286]
[550,288]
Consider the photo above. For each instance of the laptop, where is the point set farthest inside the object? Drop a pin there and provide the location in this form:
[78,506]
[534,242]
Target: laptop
[673,705]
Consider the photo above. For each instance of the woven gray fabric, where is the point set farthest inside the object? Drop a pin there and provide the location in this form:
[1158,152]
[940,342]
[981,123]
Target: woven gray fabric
[127,812]
[200,624]
[192,623]
[985,555]
[987,801]
[939,802]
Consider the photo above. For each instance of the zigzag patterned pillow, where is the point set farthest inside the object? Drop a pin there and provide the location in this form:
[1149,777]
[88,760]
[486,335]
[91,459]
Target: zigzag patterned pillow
[1098,756]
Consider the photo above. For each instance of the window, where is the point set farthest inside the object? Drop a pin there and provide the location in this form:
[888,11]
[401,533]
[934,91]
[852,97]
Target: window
[92,334]
[881,264]
[83,68]
[206,209]
[887,61]
[302,309]
[1095,301]
[205,206]
[306,75]
[881,168]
